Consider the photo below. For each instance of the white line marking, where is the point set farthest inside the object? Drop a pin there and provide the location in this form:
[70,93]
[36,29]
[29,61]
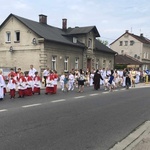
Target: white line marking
[79,97]
[2,110]
[26,106]
[93,94]
[60,100]
[106,92]
[122,89]
[116,90]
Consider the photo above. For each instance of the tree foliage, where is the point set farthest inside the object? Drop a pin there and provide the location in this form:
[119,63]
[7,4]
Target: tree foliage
[105,42]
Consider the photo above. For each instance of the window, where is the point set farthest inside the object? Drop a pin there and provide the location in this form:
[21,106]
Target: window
[97,64]
[76,63]
[122,52]
[144,55]
[125,43]
[8,37]
[66,64]
[74,40]
[110,64]
[121,43]
[104,63]
[131,42]
[90,43]
[53,62]
[17,36]
[147,55]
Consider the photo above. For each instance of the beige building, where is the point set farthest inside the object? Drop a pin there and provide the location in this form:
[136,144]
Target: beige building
[135,46]
[24,42]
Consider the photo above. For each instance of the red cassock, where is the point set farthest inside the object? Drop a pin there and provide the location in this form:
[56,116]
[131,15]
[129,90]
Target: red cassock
[13,91]
[21,86]
[28,91]
[37,83]
[50,89]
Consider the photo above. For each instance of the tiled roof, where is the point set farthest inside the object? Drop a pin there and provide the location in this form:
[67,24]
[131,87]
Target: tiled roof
[101,47]
[59,35]
[140,38]
[126,60]
[82,30]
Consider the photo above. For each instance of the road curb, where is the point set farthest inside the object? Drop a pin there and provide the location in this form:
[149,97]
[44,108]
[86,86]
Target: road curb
[133,138]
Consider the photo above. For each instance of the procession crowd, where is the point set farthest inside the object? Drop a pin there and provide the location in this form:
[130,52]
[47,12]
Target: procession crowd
[28,83]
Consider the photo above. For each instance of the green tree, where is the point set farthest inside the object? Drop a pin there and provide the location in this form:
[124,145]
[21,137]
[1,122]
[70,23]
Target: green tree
[103,41]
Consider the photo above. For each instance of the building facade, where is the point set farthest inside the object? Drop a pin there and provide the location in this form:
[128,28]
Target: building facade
[135,46]
[24,42]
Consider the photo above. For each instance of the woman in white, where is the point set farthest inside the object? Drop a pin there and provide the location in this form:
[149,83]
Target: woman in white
[71,82]
[62,77]
[2,84]
[91,78]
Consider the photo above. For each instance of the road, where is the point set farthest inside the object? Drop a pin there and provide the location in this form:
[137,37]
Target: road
[92,120]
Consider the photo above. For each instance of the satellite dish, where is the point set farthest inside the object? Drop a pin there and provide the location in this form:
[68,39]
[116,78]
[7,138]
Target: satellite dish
[138,57]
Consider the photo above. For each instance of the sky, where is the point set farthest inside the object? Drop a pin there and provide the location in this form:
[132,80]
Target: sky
[111,17]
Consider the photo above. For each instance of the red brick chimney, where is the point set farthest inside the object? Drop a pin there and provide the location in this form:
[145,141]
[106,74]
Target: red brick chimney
[64,24]
[42,19]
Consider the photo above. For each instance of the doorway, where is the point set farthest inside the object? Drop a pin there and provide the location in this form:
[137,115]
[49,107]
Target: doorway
[89,64]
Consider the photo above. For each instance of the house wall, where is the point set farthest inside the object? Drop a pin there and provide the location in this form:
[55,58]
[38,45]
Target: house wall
[104,60]
[61,51]
[131,50]
[138,50]
[24,52]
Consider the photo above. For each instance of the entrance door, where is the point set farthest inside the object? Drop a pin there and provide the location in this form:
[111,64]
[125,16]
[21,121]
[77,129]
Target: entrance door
[89,64]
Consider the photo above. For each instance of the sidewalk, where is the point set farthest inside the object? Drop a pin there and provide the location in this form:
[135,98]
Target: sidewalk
[137,140]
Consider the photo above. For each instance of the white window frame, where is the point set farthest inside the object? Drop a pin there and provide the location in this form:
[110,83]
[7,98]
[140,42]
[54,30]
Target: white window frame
[54,60]
[131,43]
[97,64]
[147,55]
[144,55]
[104,63]
[74,40]
[66,64]
[110,63]
[121,43]
[17,36]
[126,43]
[76,63]
[90,43]
[8,36]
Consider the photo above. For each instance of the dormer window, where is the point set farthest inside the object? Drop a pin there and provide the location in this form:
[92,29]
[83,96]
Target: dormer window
[90,43]
[74,40]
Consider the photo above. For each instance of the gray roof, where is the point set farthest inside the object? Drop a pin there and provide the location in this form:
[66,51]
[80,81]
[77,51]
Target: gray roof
[101,47]
[59,35]
[82,30]
[46,31]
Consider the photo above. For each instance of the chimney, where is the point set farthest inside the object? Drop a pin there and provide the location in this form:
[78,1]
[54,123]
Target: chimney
[127,31]
[43,19]
[141,35]
[64,24]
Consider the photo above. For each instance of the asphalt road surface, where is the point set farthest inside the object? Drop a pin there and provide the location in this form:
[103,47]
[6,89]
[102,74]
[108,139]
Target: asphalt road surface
[92,120]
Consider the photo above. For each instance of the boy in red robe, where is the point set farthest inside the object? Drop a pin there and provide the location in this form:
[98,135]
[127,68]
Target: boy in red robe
[21,85]
[28,91]
[12,87]
[50,83]
[37,83]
